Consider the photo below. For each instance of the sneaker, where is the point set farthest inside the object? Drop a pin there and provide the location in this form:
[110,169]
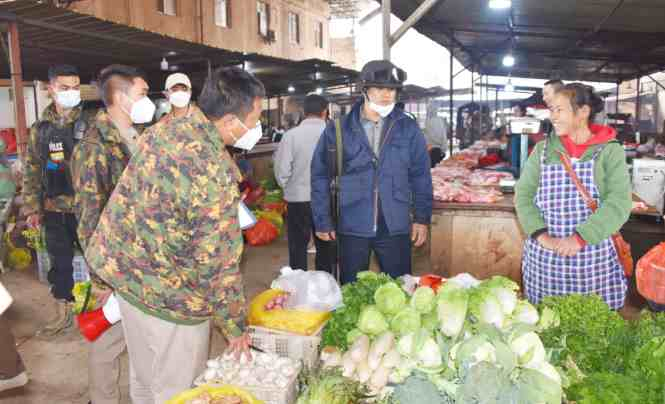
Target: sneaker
[16,381]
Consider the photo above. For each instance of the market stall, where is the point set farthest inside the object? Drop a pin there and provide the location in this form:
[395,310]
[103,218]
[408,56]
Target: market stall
[474,225]
[446,341]
[483,239]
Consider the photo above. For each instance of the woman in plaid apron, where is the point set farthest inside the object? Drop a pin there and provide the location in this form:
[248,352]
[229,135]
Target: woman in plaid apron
[569,250]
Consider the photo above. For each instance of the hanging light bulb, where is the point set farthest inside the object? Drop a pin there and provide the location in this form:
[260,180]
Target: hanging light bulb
[509,60]
[164,64]
[292,89]
[500,4]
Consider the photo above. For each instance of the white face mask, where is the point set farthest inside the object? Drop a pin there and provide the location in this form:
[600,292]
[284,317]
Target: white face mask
[382,110]
[142,110]
[68,99]
[250,138]
[180,99]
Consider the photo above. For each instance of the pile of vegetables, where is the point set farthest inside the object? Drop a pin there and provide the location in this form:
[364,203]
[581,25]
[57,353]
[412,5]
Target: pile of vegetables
[356,296]
[470,342]
[329,386]
[263,369]
[605,359]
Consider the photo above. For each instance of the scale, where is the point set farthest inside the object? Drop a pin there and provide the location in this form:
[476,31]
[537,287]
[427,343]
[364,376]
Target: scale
[507,186]
[649,182]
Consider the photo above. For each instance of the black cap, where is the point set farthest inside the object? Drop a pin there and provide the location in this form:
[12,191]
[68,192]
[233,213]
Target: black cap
[382,74]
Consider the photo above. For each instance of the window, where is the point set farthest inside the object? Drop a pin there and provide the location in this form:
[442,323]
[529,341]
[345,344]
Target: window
[263,12]
[318,34]
[223,13]
[167,7]
[294,28]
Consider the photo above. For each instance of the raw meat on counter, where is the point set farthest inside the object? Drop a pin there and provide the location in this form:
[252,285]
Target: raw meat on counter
[450,173]
[457,192]
[487,178]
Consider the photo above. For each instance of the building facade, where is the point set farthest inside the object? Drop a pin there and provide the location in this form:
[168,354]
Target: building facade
[289,29]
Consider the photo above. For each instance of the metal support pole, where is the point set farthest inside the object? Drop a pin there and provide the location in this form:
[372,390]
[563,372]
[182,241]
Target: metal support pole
[616,105]
[637,104]
[17,87]
[424,7]
[656,81]
[496,105]
[472,81]
[386,9]
[451,112]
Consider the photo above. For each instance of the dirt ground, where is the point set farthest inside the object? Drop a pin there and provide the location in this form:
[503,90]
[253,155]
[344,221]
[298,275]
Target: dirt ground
[58,368]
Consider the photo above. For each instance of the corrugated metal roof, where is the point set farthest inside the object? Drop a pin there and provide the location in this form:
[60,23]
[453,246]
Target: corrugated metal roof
[51,35]
[598,40]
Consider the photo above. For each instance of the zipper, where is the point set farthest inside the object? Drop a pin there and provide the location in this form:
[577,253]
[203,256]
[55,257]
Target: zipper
[376,173]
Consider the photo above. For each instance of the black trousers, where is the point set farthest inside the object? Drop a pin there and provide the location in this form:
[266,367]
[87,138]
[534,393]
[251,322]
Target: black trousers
[436,154]
[61,239]
[392,251]
[300,230]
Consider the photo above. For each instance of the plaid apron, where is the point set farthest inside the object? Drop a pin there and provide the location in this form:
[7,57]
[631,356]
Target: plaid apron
[596,268]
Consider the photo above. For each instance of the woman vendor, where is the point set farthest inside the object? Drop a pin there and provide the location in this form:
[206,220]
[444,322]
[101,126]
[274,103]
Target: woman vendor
[569,249]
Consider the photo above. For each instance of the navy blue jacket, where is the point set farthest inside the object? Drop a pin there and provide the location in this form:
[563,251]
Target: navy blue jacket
[400,178]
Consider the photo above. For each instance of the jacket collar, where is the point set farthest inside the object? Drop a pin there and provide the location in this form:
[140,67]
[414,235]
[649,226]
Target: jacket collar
[50,114]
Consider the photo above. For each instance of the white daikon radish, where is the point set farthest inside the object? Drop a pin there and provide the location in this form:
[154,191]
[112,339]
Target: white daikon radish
[374,359]
[384,343]
[391,359]
[348,365]
[334,360]
[360,349]
[379,378]
[328,352]
[364,372]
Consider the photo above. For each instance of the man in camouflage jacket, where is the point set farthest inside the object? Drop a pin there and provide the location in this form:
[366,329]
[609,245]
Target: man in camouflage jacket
[47,191]
[169,241]
[97,164]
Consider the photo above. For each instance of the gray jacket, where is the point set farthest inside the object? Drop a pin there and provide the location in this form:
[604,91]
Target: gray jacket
[436,132]
[294,157]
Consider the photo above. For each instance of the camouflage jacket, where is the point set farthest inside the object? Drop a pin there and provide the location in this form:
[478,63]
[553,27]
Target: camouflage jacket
[97,163]
[32,177]
[168,240]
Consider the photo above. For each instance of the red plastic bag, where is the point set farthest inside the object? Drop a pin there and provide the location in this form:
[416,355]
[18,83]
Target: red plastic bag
[650,274]
[8,135]
[262,233]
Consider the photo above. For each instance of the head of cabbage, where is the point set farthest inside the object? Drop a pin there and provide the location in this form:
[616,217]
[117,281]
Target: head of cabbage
[389,298]
[372,321]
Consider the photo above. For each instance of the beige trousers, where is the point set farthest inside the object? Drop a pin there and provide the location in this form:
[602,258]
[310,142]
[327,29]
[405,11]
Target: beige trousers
[104,366]
[165,357]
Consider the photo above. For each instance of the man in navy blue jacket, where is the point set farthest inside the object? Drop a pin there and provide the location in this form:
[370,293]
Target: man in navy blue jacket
[386,185]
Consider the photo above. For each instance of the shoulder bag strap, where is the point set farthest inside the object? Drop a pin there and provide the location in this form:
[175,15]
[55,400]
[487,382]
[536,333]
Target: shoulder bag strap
[586,196]
[340,150]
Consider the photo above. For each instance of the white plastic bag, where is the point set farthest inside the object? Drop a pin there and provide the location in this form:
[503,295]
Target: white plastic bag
[309,290]
[5,299]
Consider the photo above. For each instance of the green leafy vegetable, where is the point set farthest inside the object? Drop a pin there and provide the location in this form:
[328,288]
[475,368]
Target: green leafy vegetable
[390,298]
[372,321]
[355,295]
[452,305]
[405,322]
[422,300]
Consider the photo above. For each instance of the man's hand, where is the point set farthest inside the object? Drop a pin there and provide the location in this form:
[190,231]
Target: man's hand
[548,242]
[568,246]
[418,234]
[326,236]
[239,346]
[34,220]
